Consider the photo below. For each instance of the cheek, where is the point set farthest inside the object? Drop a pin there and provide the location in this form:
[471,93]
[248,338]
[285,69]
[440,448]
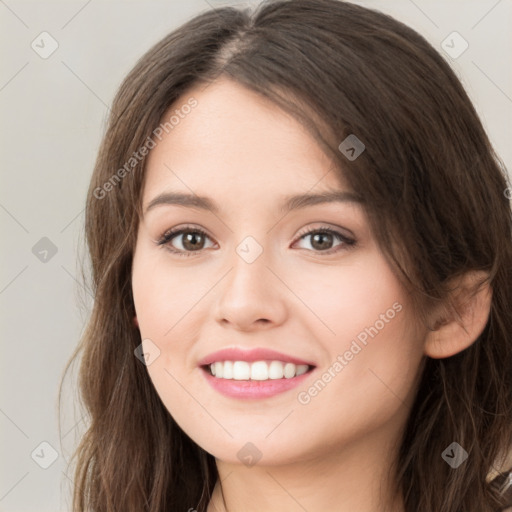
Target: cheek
[382,325]
[166,299]
[348,299]
[373,350]
[163,294]
[365,386]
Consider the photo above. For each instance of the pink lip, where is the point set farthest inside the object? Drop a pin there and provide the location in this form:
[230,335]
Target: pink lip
[253,388]
[255,354]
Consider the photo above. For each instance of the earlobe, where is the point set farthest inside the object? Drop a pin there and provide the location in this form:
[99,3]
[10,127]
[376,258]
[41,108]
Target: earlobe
[459,327]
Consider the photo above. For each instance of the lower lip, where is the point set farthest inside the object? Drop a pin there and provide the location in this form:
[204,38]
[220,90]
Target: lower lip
[253,388]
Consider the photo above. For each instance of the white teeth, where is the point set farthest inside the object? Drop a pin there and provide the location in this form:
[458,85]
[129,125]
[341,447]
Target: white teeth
[258,370]
[301,369]
[275,370]
[227,372]
[241,370]
[289,370]
[219,367]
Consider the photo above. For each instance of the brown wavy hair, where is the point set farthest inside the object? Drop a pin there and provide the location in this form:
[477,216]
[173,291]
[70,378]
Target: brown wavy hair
[435,194]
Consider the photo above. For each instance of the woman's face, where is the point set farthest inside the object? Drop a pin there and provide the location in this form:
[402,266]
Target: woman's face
[257,280]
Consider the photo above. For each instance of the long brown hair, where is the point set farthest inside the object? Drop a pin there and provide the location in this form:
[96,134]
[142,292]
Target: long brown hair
[435,194]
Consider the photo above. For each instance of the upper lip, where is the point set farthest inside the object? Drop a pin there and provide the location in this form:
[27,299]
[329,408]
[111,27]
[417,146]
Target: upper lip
[250,355]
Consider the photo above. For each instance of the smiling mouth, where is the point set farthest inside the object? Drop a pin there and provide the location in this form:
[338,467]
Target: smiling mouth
[257,370]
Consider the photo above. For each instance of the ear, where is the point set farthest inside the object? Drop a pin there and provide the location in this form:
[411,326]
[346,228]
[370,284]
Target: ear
[458,326]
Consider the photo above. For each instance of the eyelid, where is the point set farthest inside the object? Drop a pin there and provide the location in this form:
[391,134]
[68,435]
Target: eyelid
[343,232]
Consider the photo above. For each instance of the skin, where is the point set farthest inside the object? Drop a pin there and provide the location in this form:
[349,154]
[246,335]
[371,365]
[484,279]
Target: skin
[333,453]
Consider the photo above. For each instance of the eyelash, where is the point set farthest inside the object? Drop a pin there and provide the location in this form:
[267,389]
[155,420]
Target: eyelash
[164,240]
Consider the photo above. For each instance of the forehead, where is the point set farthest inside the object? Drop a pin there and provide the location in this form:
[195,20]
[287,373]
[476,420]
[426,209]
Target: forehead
[236,141]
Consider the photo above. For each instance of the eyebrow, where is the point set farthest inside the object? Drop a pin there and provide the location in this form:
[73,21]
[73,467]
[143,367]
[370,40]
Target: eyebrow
[295,202]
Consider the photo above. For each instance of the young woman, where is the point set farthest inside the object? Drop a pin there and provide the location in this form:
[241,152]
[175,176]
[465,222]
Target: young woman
[301,251]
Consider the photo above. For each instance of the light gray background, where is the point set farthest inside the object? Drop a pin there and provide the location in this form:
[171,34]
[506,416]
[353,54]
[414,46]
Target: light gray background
[52,118]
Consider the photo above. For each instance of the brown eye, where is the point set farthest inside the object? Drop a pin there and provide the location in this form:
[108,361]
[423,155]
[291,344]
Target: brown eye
[192,240]
[322,240]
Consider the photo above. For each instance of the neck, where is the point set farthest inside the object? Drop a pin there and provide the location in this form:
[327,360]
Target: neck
[358,478]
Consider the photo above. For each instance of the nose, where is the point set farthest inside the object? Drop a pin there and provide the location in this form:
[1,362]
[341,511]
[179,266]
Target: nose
[251,297]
